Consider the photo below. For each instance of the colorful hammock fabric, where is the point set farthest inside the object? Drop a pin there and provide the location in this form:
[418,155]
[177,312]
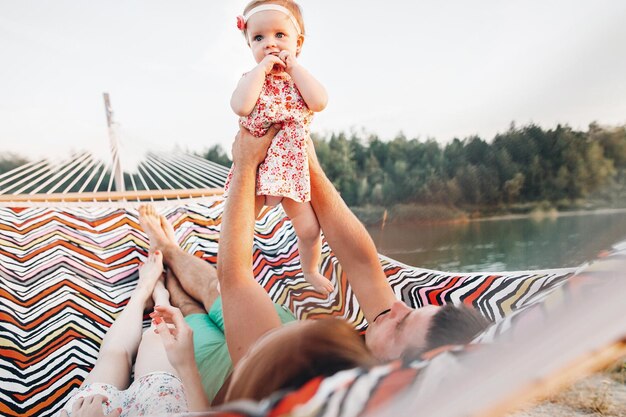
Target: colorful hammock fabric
[65,273]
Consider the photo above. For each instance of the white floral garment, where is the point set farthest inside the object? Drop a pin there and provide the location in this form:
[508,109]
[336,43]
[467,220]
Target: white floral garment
[152,394]
[285,171]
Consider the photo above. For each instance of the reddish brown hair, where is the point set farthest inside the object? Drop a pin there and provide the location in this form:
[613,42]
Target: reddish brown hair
[323,348]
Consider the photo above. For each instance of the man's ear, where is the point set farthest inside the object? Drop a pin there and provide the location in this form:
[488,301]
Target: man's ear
[299,43]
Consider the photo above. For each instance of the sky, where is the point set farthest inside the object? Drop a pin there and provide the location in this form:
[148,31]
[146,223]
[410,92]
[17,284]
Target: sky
[429,69]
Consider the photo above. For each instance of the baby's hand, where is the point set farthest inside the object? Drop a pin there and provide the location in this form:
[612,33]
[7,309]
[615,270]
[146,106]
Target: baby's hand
[289,60]
[272,63]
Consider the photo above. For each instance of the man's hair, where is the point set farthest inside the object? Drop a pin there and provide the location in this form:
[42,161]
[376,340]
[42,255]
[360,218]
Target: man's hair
[454,325]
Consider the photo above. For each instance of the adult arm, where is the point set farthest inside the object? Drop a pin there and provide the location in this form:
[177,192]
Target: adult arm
[248,310]
[350,242]
[178,343]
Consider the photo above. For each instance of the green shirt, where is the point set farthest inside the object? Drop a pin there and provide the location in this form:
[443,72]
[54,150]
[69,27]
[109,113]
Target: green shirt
[210,348]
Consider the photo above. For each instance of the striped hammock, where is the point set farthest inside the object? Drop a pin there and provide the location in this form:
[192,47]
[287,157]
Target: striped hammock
[65,273]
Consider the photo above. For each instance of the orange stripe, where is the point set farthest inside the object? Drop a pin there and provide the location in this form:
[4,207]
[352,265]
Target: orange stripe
[50,313]
[32,392]
[290,401]
[50,290]
[480,290]
[388,389]
[24,361]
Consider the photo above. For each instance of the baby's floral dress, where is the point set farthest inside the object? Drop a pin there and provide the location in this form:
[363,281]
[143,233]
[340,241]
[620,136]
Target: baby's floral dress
[285,171]
[157,393]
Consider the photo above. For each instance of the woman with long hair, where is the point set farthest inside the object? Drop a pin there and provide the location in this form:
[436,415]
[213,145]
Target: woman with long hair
[267,356]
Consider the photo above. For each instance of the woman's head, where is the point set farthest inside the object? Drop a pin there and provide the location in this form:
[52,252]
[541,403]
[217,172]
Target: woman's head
[292,355]
[271,26]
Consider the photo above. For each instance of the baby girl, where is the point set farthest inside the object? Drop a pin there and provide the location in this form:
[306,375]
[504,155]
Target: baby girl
[278,90]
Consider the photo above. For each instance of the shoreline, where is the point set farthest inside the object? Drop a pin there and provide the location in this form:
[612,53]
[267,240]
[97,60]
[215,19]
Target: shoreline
[372,216]
[554,214]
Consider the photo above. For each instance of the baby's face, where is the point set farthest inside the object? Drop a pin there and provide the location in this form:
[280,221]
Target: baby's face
[270,32]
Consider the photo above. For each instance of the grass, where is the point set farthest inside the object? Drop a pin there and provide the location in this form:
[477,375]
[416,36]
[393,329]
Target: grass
[618,373]
[602,394]
[589,397]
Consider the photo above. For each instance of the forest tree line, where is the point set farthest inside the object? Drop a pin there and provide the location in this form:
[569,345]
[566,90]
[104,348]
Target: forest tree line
[523,164]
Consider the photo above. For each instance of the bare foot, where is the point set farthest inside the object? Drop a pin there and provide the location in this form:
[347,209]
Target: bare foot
[168,229]
[149,274]
[151,224]
[319,282]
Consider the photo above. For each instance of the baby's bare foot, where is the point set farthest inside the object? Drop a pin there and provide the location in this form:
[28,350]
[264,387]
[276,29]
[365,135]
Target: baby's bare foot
[151,224]
[319,282]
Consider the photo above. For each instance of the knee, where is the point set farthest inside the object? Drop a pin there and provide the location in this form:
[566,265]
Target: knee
[149,337]
[116,353]
[308,233]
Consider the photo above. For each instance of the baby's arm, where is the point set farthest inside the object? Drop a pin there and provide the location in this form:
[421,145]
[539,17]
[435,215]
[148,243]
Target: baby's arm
[312,91]
[249,87]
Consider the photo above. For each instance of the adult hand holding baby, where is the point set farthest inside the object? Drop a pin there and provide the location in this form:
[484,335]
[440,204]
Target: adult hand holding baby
[250,151]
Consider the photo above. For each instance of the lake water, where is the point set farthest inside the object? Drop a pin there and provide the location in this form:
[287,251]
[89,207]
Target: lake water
[504,244]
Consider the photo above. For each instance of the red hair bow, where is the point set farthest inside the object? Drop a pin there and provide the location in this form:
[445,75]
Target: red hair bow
[241,23]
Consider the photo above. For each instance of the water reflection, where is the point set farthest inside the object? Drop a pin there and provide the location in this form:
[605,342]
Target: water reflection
[503,244]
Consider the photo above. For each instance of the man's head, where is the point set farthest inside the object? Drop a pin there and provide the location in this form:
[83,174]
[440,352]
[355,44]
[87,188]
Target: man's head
[405,330]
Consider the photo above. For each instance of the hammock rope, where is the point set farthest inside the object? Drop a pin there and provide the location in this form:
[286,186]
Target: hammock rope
[87,167]
[159,176]
[10,177]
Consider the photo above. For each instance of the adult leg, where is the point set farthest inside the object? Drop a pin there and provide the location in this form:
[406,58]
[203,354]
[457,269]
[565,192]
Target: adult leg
[197,277]
[179,298]
[309,243]
[120,344]
[151,356]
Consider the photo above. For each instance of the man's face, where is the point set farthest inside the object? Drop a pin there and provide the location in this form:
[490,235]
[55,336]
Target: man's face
[402,328]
